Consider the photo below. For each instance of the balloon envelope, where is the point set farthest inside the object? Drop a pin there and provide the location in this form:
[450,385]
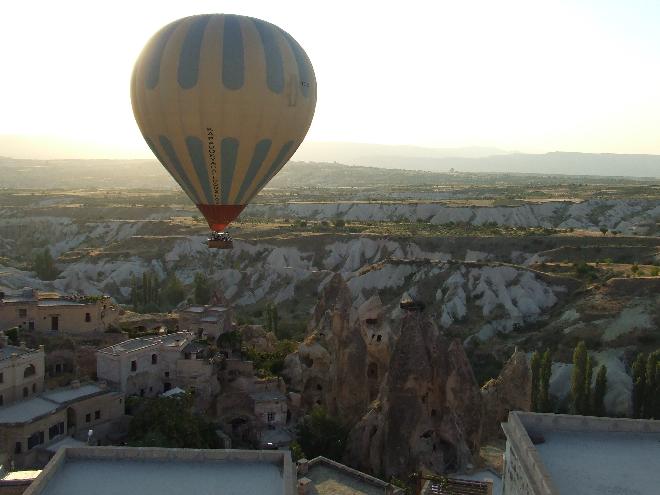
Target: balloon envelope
[223,101]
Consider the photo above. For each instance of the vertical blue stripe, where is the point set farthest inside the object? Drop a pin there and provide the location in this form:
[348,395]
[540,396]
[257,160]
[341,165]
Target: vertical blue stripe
[190,52]
[228,155]
[277,164]
[233,64]
[160,158]
[302,61]
[258,157]
[171,154]
[196,152]
[274,66]
[155,55]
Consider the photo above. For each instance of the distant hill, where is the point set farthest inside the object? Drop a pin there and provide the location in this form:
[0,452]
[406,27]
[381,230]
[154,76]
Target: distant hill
[475,159]
[370,154]
[149,174]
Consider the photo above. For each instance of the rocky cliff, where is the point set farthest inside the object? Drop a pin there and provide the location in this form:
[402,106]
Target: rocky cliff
[428,413]
[393,375]
[510,391]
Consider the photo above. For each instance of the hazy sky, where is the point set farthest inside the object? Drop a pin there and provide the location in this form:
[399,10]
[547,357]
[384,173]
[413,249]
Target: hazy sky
[531,76]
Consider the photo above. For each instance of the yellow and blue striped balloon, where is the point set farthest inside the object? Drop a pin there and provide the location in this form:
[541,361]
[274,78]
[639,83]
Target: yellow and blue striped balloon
[223,101]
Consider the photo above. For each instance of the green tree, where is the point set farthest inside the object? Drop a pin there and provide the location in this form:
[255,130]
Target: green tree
[202,289]
[44,265]
[639,385]
[588,378]
[600,389]
[535,365]
[321,434]
[652,396]
[544,382]
[170,422]
[271,319]
[578,378]
[173,292]
[603,230]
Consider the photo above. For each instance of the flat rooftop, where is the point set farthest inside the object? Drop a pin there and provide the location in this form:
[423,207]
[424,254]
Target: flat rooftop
[586,455]
[26,411]
[46,403]
[593,463]
[156,471]
[332,478]
[172,339]
[7,351]
[68,394]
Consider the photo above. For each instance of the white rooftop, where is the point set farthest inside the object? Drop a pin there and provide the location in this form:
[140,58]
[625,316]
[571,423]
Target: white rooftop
[267,395]
[69,394]
[594,463]
[173,391]
[26,411]
[155,471]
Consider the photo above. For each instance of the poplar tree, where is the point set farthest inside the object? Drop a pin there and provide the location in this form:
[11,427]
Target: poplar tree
[546,373]
[652,395]
[578,378]
[600,389]
[588,378]
[639,385]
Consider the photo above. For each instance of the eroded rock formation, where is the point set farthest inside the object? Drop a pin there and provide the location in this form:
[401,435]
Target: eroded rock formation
[510,391]
[428,413]
[410,392]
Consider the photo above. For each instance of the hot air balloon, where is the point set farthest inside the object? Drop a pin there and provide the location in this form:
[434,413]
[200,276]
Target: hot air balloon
[223,101]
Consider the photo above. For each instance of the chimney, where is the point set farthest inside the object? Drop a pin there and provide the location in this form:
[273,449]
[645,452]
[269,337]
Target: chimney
[305,486]
[303,466]
[75,384]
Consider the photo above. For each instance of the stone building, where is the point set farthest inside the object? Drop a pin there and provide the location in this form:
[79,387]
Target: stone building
[21,372]
[549,454]
[33,311]
[149,366]
[32,419]
[206,321]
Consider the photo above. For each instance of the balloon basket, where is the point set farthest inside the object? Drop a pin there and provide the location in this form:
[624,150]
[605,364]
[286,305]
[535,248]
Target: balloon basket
[220,240]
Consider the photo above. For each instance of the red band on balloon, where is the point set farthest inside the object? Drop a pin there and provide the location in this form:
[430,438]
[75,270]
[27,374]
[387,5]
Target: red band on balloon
[219,216]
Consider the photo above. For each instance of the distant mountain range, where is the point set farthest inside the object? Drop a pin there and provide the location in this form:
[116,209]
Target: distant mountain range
[412,168]
[481,160]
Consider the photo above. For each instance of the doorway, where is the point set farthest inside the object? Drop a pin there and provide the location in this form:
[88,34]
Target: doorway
[54,323]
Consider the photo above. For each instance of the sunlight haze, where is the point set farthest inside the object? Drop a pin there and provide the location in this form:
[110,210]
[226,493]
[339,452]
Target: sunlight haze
[514,75]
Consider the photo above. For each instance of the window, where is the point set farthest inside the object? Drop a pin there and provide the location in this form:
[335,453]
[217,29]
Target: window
[37,438]
[97,414]
[2,378]
[34,388]
[2,400]
[26,392]
[88,418]
[29,371]
[22,313]
[271,417]
[167,374]
[154,359]
[17,448]
[56,429]
[31,325]
[133,365]
[88,317]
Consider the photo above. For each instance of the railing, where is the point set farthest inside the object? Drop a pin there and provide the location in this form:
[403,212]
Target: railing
[452,486]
